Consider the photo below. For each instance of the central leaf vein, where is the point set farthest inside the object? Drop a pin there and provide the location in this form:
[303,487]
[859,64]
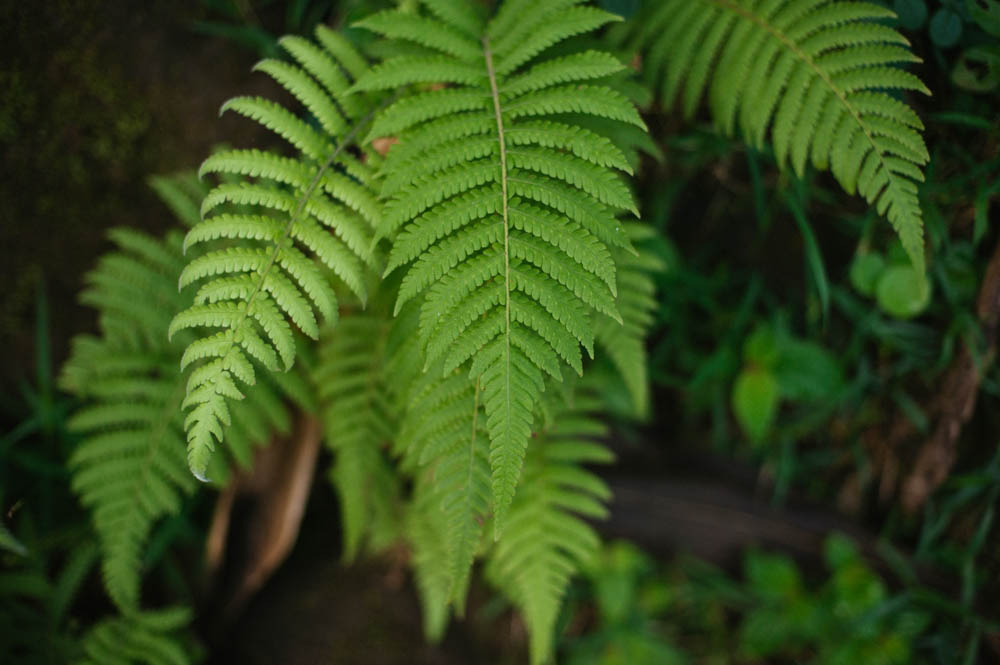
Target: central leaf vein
[488,54]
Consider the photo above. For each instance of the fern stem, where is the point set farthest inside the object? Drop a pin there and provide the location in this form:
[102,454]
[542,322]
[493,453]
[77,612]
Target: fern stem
[475,417]
[299,207]
[503,186]
[488,54]
[469,472]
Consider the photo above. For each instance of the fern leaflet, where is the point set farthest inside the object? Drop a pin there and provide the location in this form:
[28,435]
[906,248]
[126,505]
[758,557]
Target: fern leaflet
[359,416]
[141,638]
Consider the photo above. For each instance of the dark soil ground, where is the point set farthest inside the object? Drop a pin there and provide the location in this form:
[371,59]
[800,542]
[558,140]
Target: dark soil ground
[94,98]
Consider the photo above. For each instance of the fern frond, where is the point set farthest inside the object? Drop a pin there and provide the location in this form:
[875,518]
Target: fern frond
[130,469]
[813,75]
[447,521]
[501,211]
[444,444]
[126,469]
[276,236]
[426,537]
[141,638]
[129,288]
[546,541]
[445,435]
[625,343]
[359,417]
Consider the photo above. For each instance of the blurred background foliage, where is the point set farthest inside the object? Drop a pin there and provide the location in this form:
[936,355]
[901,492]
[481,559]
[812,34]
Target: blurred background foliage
[798,375]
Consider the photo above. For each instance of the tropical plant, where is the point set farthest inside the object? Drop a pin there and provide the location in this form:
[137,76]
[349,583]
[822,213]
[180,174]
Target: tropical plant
[442,256]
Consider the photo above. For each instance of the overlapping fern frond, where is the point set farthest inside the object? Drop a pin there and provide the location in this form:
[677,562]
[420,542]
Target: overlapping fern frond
[131,289]
[277,237]
[625,342]
[141,638]
[501,210]
[446,438]
[444,446]
[813,74]
[425,532]
[359,418]
[130,468]
[546,540]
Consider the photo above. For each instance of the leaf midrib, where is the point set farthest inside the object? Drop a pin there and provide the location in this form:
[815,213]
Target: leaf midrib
[508,398]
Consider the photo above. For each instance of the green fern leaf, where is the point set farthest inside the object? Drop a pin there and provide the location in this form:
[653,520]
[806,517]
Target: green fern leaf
[276,238]
[501,212]
[359,416]
[810,72]
[426,538]
[453,443]
[625,343]
[545,541]
[130,469]
[141,638]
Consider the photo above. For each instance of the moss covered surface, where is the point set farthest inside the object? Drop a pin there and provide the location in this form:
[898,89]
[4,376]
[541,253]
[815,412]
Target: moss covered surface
[95,97]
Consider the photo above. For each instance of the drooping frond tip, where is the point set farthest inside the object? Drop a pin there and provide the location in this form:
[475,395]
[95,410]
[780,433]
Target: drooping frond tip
[812,74]
[547,540]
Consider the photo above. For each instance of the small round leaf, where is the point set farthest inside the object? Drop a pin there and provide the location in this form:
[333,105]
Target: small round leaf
[755,402]
[761,347]
[946,28]
[902,293]
[865,270]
